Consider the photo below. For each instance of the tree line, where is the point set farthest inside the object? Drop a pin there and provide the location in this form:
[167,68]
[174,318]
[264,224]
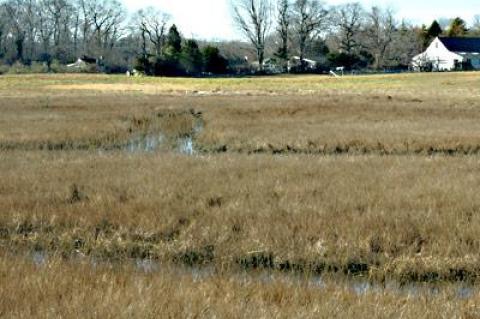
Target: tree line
[351,35]
[285,33]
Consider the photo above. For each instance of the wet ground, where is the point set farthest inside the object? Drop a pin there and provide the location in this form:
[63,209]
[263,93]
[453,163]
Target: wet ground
[357,285]
[155,142]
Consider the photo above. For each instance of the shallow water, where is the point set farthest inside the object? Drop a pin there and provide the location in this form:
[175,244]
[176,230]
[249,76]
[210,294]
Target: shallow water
[358,285]
[186,146]
[158,142]
[361,286]
[154,142]
[39,258]
[147,143]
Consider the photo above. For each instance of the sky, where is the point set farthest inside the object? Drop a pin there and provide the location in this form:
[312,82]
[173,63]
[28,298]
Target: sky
[211,19]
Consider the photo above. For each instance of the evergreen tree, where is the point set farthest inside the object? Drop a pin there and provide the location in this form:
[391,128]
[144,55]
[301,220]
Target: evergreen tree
[169,63]
[214,62]
[435,30]
[191,57]
[427,35]
[174,41]
[458,28]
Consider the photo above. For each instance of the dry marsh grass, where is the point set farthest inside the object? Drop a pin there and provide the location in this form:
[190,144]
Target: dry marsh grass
[411,218]
[371,176]
[319,124]
[87,123]
[64,290]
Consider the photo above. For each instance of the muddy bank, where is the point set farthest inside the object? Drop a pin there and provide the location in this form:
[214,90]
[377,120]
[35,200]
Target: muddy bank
[154,250]
[344,149]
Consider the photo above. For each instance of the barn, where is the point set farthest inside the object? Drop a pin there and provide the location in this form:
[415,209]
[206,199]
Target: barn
[449,54]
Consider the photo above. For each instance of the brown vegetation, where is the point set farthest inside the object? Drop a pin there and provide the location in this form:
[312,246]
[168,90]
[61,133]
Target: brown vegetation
[413,218]
[384,115]
[377,184]
[78,290]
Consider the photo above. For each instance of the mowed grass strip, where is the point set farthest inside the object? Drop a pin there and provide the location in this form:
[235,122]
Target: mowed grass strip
[426,84]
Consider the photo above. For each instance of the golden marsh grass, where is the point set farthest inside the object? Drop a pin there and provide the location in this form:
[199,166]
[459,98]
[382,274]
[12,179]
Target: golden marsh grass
[374,176]
[407,216]
[404,114]
[66,290]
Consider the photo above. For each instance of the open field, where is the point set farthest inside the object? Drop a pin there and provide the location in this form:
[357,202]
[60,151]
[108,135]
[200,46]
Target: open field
[372,176]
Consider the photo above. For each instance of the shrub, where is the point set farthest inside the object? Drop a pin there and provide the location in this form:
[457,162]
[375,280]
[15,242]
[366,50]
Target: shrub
[4,68]
[18,68]
[38,67]
[57,67]
[214,62]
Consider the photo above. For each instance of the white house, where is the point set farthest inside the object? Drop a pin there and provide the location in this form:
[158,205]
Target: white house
[448,54]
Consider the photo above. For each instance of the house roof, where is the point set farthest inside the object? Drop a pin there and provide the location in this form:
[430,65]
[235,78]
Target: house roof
[461,44]
[88,59]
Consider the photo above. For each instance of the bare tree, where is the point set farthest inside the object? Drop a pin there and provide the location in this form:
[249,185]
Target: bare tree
[57,20]
[84,24]
[30,8]
[139,24]
[284,19]
[405,45]
[349,18]
[152,24]
[379,34]
[3,30]
[310,17]
[102,24]
[76,27]
[476,25]
[45,29]
[15,15]
[253,18]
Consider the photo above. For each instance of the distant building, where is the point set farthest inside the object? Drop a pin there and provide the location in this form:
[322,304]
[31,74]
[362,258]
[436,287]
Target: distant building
[272,66]
[86,63]
[295,62]
[275,66]
[449,54]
